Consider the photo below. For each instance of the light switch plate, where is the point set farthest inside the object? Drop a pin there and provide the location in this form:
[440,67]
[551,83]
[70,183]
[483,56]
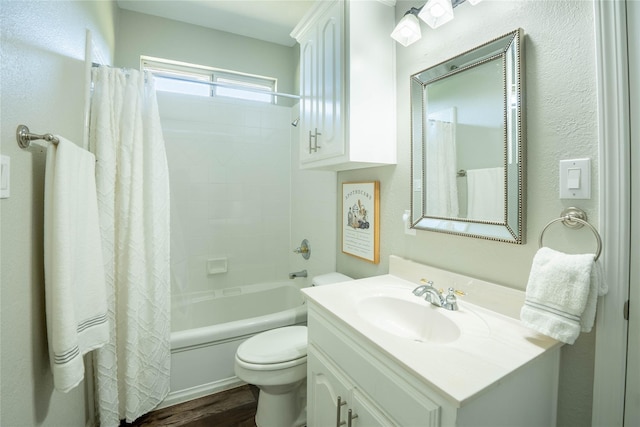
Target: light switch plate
[575,179]
[5,177]
[406,220]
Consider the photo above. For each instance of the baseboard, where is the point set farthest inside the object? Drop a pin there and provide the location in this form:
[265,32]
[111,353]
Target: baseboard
[181,396]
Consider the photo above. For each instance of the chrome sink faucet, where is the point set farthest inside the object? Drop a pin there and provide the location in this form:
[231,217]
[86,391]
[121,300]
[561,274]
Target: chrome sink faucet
[435,297]
[430,293]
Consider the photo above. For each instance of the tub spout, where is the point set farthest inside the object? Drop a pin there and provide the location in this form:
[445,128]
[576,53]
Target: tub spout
[302,273]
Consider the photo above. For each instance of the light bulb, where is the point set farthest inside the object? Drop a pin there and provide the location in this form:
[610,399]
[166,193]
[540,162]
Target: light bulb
[407,31]
[436,12]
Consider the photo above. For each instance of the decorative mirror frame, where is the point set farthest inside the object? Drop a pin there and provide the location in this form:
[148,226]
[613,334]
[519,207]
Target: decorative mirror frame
[508,48]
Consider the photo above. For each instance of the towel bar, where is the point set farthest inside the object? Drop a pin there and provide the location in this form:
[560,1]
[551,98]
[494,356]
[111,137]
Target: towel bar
[574,218]
[24,137]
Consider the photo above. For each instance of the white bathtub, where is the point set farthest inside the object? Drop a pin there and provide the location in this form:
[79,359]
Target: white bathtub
[208,328]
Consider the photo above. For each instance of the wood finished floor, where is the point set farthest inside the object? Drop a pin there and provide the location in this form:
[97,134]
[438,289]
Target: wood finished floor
[231,408]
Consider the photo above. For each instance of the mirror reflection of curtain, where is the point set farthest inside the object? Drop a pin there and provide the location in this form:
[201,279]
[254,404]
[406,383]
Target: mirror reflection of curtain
[441,169]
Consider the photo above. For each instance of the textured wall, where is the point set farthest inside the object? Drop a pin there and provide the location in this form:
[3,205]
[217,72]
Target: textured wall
[42,84]
[561,121]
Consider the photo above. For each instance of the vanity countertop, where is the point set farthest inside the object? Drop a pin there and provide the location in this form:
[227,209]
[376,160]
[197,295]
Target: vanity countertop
[488,348]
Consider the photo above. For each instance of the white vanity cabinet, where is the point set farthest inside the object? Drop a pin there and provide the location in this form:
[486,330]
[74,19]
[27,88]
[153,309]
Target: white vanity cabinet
[496,372]
[368,392]
[331,390]
[347,85]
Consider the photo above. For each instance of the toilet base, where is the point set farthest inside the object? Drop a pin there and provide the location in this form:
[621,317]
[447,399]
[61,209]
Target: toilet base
[282,409]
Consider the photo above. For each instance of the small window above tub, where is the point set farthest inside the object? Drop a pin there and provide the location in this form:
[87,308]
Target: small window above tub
[193,79]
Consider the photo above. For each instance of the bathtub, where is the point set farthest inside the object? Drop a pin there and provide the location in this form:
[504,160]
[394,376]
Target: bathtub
[207,329]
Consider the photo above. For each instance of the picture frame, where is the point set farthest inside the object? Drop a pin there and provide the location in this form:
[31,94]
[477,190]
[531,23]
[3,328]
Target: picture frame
[361,220]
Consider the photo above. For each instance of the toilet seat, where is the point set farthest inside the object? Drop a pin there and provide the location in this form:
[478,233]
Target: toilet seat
[270,366]
[275,349]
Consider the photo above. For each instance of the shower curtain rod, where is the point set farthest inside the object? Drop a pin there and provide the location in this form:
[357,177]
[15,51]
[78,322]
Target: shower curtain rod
[227,85]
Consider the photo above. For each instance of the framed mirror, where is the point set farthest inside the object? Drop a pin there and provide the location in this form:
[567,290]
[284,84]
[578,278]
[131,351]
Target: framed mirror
[468,143]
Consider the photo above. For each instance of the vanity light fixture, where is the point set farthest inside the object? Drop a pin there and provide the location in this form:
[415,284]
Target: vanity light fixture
[408,29]
[435,13]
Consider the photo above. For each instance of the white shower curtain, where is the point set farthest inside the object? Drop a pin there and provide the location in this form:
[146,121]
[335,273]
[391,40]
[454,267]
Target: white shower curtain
[132,371]
[441,170]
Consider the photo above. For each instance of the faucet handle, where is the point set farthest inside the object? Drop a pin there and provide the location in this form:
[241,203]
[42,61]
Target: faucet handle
[426,282]
[304,249]
[450,301]
[457,292]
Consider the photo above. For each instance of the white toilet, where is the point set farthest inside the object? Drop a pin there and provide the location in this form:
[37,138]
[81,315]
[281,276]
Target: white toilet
[276,362]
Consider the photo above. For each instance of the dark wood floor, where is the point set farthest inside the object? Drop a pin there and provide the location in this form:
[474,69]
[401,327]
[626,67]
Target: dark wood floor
[231,408]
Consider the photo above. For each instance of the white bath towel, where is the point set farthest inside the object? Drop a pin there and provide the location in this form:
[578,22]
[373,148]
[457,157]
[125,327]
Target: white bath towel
[485,194]
[561,294]
[76,306]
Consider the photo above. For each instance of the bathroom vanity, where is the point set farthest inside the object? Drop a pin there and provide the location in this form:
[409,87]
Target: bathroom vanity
[379,355]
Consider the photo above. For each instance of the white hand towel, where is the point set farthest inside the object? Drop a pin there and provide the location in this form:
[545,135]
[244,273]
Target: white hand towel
[76,306]
[598,288]
[561,294]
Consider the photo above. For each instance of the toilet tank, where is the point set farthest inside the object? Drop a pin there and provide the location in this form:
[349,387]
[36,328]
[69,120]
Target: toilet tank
[329,278]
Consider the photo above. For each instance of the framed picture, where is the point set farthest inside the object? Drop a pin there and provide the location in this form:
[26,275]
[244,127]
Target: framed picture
[361,220]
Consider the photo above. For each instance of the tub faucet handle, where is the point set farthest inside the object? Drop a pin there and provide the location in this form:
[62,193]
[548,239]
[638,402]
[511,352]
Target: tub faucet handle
[304,249]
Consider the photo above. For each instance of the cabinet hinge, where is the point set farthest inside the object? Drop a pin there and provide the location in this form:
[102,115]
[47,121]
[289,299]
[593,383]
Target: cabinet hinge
[625,310]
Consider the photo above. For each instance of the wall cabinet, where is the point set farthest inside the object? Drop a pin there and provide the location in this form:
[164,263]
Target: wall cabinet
[347,85]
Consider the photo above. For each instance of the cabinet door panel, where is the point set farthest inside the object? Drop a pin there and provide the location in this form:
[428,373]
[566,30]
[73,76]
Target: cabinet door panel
[324,386]
[308,98]
[331,79]
[368,414]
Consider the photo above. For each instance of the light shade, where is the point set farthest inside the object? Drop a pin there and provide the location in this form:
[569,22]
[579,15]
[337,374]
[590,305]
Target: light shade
[436,12]
[474,2]
[408,30]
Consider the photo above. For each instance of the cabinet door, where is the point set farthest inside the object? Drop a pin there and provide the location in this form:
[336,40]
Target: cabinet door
[368,414]
[308,95]
[324,386]
[331,78]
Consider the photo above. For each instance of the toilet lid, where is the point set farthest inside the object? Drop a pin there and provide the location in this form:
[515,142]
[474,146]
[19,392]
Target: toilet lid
[275,346]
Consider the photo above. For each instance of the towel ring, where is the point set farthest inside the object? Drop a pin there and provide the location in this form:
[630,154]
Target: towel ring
[574,218]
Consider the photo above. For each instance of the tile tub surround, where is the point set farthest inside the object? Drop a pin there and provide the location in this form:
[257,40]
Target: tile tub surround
[230,169]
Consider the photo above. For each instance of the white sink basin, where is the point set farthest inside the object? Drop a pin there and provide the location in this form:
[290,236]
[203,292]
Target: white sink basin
[483,343]
[416,320]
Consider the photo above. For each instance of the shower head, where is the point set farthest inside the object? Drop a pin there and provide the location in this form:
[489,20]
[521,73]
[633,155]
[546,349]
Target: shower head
[295,122]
